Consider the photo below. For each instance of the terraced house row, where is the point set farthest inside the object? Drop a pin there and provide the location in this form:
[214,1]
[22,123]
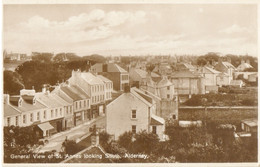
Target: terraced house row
[82,98]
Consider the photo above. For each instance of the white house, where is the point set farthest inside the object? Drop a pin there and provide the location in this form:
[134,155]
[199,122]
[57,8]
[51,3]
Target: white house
[133,111]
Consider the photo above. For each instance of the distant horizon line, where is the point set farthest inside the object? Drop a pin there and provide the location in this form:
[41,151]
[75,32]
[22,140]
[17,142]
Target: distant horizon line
[148,54]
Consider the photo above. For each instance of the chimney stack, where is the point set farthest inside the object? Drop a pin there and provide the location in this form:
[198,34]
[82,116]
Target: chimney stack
[6,98]
[248,61]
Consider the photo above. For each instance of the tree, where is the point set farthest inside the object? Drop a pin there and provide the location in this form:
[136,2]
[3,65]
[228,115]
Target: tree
[125,140]
[144,142]
[13,82]
[42,57]
[70,147]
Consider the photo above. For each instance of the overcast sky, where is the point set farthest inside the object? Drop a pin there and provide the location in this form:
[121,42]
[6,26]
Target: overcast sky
[131,29]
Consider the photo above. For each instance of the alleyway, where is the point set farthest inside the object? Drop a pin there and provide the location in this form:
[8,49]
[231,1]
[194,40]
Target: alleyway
[55,141]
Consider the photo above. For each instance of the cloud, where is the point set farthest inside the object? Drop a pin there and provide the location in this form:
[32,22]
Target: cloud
[40,33]
[234,29]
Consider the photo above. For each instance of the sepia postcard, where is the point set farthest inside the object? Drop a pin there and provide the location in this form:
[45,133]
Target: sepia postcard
[143,83]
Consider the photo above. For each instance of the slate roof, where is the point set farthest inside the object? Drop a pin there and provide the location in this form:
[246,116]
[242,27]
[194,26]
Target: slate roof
[185,74]
[75,92]
[212,70]
[91,79]
[228,65]
[10,111]
[104,79]
[30,107]
[143,73]
[49,100]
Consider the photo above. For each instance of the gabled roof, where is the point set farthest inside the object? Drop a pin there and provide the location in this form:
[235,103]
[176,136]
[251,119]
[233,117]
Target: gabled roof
[185,74]
[244,65]
[91,79]
[49,100]
[211,70]
[10,111]
[111,67]
[164,82]
[143,73]
[228,65]
[148,100]
[189,66]
[75,92]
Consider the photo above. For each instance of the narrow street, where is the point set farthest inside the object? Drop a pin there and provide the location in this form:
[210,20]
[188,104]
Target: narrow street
[55,141]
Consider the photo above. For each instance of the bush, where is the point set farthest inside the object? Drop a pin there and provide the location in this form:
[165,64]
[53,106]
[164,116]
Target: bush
[70,147]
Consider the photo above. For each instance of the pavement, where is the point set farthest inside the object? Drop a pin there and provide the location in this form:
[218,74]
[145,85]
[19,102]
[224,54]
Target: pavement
[76,133]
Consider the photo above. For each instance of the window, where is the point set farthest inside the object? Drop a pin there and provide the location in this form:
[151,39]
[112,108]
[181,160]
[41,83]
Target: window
[60,111]
[168,87]
[56,112]
[8,121]
[24,119]
[38,115]
[80,104]
[16,120]
[154,130]
[44,114]
[84,103]
[168,96]
[31,117]
[76,105]
[133,128]
[173,116]
[87,102]
[92,99]
[133,113]
[51,113]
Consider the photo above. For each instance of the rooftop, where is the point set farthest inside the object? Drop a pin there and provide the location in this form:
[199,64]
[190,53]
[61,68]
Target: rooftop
[75,92]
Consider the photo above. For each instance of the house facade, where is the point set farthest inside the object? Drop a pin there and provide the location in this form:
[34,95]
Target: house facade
[94,87]
[188,83]
[115,73]
[138,77]
[225,67]
[133,111]
[210,78]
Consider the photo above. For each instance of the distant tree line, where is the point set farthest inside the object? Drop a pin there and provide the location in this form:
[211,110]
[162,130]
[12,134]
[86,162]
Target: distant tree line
[45,68]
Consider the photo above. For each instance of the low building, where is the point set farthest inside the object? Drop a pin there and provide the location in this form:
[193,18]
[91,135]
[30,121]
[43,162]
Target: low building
[244,65]
[237,83]
[188,83]
[249,125]
[210,78]
[138,77]
[133,111]
[223,79]
[162,69]
[115,73]
[162,88]
[225,67]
